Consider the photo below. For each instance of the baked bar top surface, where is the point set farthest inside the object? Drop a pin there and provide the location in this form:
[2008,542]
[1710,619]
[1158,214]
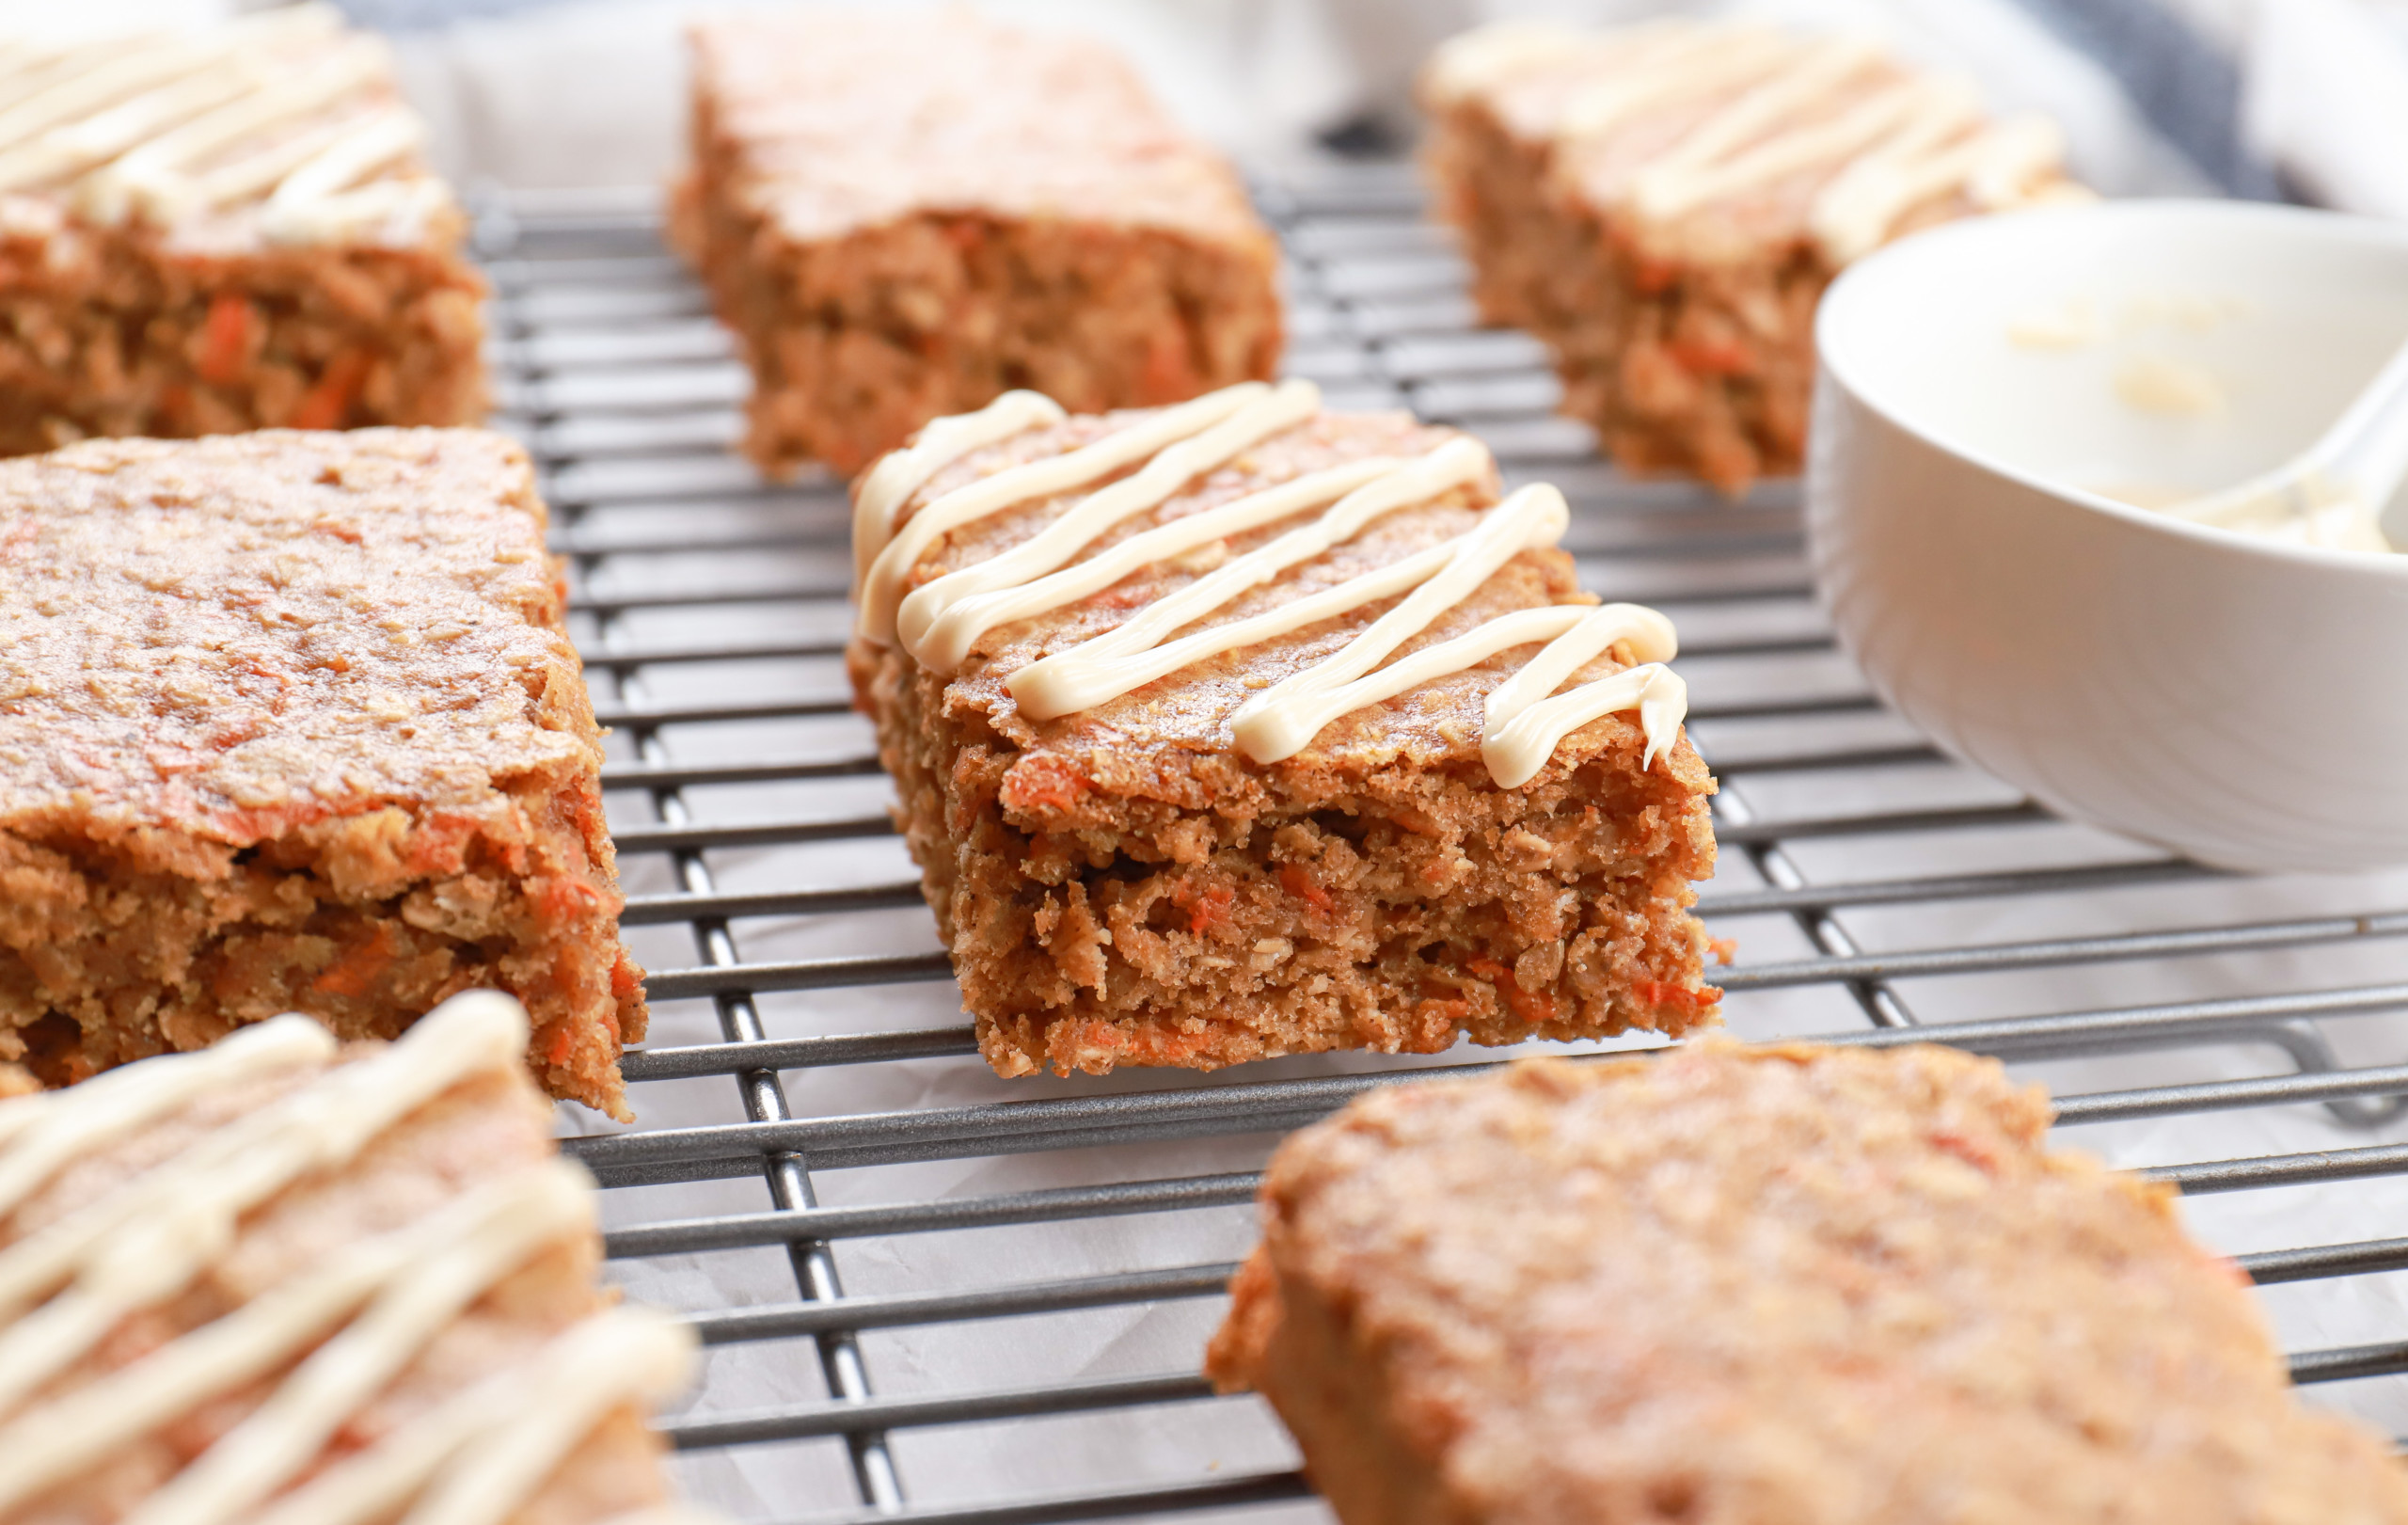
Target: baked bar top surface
[1748,1284]
[1171,740]
[284,129]
[229,638]
[841,123]
[1714,140]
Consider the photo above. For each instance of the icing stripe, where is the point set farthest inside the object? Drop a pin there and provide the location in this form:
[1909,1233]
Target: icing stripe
[1855,212]
[147,1240]
[354,1320]
[1798,107]
[1899,109]
[284,1435]
[941,622]
[1649,633]
[609,1362]
[1670,70]
[1283,719]
[132,125]
[20,1113]
[372,145]
[1290,403]
[949,640]
[1084,675]
[628,1353]
[60,1438]
[153,176]
[901,473]
[1523,725]
[882,588]
[1521,746]
[109,1106]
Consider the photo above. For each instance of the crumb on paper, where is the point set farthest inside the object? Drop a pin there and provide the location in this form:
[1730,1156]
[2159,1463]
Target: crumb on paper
[2171,388]
[2070,323]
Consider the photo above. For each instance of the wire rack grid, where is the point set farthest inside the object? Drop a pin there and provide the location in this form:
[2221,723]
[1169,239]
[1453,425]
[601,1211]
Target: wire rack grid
[929,1293]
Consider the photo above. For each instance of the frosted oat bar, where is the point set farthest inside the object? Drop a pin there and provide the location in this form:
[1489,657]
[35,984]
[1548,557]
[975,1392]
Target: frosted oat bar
[1663,204]
[290,1282]
[221,230]
[1234,729]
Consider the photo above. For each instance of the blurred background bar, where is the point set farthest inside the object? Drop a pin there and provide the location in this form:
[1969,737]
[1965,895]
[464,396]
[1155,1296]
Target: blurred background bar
[2273,99]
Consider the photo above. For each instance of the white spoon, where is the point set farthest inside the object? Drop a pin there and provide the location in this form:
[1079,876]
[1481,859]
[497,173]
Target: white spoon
[2329,494]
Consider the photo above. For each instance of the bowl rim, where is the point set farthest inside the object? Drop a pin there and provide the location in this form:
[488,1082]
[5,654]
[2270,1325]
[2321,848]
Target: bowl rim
[1847,293]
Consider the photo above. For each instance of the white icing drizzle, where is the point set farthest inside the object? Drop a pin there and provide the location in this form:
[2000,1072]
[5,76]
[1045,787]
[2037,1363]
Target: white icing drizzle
[19,1113]
[155,176]
[167,125]
[900,473]
[112,1106]
[1786,108]
[1134,653]
[1282,719]
[1667,191]
[149,1238]
[1523,725]
[1671,66]
[505,1465]
[1285,407]
[948,640]
[1477,59]
[440,1266]
[882,588]
[356,1318]
[941,622]
[624,1354]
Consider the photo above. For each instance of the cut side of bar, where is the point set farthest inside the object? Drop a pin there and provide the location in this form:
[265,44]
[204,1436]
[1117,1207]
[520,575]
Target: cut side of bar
[1789,1283]
[291,722]
[1160,822]
[901,221]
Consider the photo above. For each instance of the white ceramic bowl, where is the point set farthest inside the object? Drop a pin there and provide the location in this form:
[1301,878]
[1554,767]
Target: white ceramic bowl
[2243,701]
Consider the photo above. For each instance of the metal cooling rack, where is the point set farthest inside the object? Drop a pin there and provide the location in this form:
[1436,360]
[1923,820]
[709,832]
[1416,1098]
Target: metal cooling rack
[1032,1267]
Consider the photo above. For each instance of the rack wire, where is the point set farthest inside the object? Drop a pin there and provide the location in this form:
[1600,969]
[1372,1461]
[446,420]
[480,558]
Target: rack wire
[935,1296]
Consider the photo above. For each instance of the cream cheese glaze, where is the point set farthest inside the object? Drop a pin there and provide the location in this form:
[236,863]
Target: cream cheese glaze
[940,622]
[263,112]
[361,1314]
[1775,108]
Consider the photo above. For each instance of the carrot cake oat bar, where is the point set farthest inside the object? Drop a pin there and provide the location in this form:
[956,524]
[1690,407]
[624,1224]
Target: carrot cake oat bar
[226,230]
[289,722]
[288,1282]
[1172,799]
[901,216]
[1735,1284]
[1663,205]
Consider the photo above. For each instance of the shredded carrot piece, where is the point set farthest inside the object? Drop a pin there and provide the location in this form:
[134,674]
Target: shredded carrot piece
[330,400]
[223,336]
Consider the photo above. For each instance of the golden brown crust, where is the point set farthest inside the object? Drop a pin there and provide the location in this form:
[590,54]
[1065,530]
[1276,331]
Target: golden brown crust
[1733,1285]
[1122,886]
[291,721]
[901,221]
